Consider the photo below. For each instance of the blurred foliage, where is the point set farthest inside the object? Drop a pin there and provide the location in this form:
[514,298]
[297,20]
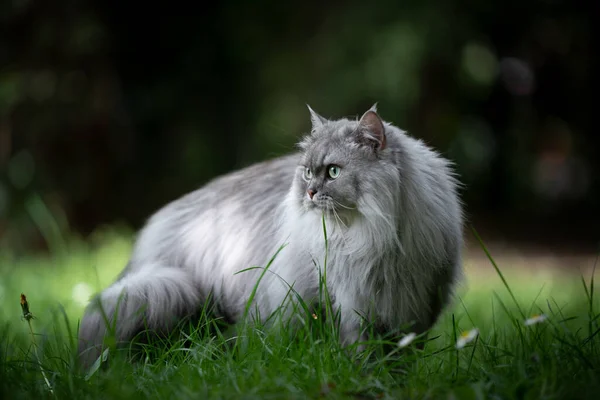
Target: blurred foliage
[110,109]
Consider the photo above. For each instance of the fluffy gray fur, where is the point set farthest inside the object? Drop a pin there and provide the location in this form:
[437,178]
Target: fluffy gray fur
[394,224]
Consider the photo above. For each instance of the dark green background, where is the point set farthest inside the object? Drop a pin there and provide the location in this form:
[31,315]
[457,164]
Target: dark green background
[109,109]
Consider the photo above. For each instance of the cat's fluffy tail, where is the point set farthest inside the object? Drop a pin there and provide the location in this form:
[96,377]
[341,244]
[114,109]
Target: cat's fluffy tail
[153,297]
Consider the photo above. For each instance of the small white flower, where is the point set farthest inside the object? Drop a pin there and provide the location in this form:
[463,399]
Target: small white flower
[81,293]
[535,319]
[407,339]
[466,337]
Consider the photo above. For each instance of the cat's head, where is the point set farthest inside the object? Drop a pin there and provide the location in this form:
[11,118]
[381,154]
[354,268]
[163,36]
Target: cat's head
[342,160]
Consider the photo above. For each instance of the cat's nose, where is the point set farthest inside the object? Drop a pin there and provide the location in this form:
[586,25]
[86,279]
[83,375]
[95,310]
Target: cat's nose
[311,193]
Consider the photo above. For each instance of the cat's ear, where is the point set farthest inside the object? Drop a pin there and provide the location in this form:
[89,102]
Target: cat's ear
[316,119]
[371,129]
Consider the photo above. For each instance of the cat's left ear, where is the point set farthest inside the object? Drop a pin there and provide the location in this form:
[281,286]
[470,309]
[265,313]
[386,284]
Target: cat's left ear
[316,119]
[371,129]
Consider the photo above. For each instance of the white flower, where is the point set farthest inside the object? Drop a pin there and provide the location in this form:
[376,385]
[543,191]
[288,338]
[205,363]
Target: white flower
[466,337]
[535,319]
[407,339]
[81,293]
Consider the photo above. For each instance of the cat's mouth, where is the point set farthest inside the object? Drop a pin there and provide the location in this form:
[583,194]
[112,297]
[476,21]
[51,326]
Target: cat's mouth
[319,204]
[327,206]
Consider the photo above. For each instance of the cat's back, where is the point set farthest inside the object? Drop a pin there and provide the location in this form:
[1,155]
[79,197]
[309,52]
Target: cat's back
[236,207]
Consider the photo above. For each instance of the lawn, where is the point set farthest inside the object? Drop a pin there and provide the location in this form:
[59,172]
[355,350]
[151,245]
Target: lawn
[558,357]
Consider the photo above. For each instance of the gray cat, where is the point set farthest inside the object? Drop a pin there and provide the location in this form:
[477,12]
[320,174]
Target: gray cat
[394,226]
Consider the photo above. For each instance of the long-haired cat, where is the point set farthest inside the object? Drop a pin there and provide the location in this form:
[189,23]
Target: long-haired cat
[394,224]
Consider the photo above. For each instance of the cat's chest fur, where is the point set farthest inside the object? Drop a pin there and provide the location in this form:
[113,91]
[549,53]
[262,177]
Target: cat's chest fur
[364,276]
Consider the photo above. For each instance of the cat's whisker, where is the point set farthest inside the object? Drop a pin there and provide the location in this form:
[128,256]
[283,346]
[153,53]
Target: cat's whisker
[337,203]
[337,217]
[339,221]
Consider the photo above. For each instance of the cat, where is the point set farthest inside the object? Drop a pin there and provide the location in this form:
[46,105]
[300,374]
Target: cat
[394,224]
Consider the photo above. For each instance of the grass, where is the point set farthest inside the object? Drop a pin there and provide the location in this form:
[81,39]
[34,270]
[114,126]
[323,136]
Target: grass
[557,358]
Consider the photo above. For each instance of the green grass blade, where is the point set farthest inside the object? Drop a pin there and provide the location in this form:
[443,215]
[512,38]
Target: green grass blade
[500,274]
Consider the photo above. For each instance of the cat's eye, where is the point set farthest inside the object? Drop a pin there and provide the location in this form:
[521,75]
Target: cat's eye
[334,171]
[307,174]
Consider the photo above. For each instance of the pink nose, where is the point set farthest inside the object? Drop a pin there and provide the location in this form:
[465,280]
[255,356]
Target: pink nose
[311,193]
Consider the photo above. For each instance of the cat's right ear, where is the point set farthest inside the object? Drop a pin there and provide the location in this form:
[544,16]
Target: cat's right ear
[316,119]
[371,130]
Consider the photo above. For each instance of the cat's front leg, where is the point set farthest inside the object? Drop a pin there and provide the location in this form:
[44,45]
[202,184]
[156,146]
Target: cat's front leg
[352,339]
[352,335]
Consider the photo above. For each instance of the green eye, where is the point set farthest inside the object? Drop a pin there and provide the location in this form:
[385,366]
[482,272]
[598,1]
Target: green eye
[307,174]
[334,171]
